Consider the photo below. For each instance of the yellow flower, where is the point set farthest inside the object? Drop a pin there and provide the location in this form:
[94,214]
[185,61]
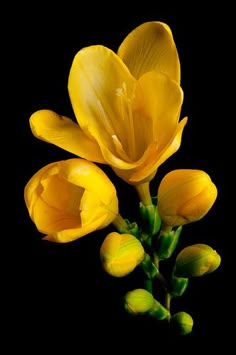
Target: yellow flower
[127,105]
[184,196]
[69,199]
[121,253]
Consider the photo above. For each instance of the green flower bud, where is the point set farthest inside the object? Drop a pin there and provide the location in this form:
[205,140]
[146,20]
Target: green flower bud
[138,301]
[196,260]
[181,323]
[184,196]
[121,253]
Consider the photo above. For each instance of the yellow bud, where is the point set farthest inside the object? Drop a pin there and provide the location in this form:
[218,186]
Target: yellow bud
[196,260]
[139,301]
[181,323]
[184,196]
[69,199]
[121,253]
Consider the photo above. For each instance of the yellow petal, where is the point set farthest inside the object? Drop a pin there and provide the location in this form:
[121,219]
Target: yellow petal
[64,133]
[34,184]
[157,105]
[50,220]
[149,47]
[154,110]
[69,235]
[96,81]
[151,165]
[88,176]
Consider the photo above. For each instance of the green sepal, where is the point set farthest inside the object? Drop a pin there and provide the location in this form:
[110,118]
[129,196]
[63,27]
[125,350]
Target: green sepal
[167,242]
[178,285]
[148,267]
[129,228]
[159,312]
[151,218]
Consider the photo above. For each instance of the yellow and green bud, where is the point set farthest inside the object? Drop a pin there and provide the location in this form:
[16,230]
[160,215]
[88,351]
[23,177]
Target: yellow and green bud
[184,196]
[141,301]
[138,301]
[181,323]
[196,260]
[69,199]
[121,253]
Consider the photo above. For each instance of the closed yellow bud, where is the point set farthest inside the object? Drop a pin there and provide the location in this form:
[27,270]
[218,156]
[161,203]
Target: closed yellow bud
[139,301]
[69,199]
[121,253]
[196,260]
[184,196]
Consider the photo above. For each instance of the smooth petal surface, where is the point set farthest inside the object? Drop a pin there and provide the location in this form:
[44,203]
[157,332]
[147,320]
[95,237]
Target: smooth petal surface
[96,82]
[149,47]
[157,133]
[53,128]
[69,235]
[89,176]
[156,158]
[33,188]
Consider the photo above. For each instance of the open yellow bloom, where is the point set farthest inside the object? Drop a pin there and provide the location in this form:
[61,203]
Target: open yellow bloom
[184,196]
[69,199]
[127,105]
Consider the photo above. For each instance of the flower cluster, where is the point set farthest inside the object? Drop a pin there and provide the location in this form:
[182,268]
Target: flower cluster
[127,107]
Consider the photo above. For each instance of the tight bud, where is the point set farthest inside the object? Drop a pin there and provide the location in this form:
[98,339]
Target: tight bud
[184,196]
[181,323]
[121,253]
[139,301]
[196,260]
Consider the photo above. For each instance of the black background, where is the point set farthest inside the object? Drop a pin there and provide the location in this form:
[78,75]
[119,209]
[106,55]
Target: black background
[57,296]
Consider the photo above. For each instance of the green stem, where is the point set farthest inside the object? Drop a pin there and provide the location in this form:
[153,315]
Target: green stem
[167,301]
[120,223]
[143,191]
[148,285]
[156,260]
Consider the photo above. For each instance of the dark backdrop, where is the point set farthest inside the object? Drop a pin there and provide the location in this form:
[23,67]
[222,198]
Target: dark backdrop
[57,295]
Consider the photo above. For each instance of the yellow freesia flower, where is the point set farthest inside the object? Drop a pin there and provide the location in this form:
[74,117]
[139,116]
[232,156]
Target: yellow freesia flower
[184,196]
[127,105]
[69,199]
